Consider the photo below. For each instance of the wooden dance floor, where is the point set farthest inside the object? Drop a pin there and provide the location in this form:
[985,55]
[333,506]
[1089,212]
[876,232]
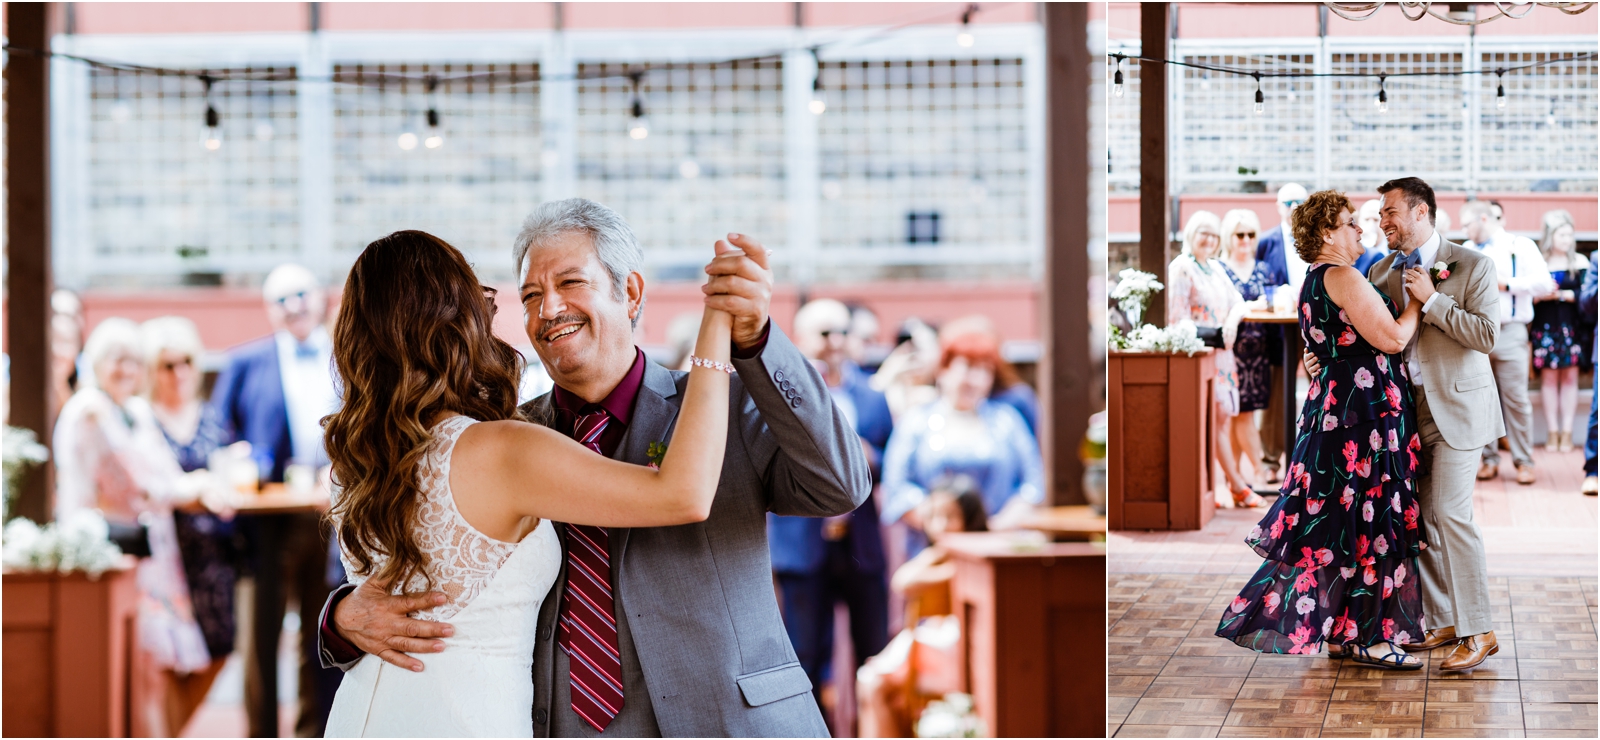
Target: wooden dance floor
[1171,677]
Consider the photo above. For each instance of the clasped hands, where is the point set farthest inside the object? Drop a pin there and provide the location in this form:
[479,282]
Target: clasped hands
[741,284]
[1418,283]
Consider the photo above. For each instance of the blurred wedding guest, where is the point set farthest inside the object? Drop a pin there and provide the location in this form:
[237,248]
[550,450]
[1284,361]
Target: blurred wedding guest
[681,335]
[865,348]
[1283,268]
[1199,290]
[1372,237]
[963,432]
[1556,332]
[1009,388]
[821,563]
[1252,368]
[886,687]
[273,394]
[1586,306]
[1523,276]
[906,376]
[172,351]
[66,346]
[110,456]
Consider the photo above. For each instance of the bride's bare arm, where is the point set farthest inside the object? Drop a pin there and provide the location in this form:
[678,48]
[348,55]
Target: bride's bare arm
[534,471]
[1367,312]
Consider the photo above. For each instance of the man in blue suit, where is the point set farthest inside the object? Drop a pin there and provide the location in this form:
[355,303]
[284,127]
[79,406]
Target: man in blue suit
[821,562]
[1586,306]
[1283,267]
[273,394]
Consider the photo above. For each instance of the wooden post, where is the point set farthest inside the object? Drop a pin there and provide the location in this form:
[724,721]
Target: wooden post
[1155,228]
[1068,366]
[29,26]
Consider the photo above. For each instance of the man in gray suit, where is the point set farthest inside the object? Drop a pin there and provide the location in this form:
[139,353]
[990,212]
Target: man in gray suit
[700,647]
[1458,411]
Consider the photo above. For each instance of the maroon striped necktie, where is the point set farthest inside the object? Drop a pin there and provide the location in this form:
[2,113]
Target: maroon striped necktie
[588,621]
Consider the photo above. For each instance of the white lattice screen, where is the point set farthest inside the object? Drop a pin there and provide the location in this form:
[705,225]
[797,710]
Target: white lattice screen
[902,137]
[1547,137]
[472,190]
[156,191]
[713,161]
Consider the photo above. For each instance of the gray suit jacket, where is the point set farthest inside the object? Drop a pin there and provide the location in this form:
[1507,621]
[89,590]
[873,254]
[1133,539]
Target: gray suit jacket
[1453,347]
[698,619]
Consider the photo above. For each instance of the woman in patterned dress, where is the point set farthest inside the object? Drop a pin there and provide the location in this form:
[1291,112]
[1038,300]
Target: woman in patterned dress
[1342,539]
[205,539]
[1199,291]
[1252,367]
[1556,331]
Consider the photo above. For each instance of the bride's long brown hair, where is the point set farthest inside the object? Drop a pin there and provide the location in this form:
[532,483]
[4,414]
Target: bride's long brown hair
[413,339]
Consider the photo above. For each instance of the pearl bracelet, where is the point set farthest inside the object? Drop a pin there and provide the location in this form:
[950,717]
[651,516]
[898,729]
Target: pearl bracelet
[710,364]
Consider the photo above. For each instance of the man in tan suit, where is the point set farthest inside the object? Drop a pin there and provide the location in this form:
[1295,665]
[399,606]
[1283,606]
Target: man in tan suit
[1458,410]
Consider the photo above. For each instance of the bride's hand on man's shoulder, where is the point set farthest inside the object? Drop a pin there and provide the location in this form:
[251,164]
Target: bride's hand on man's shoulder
[375,621]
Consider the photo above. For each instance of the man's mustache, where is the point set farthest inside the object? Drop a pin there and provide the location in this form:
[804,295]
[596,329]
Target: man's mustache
[566,318]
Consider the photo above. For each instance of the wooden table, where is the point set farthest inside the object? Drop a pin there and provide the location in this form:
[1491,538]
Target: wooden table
[1032,631]
[1290,408]
[1067,522]
[276,498]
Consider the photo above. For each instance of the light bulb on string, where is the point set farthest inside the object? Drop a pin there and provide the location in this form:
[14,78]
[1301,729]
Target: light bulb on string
[435,138]
[1383,96]
[965,39]
[1261,101]
[1550,119]
[1500,89]
[211,135]
[1116,79]
[639,129]
[818,105]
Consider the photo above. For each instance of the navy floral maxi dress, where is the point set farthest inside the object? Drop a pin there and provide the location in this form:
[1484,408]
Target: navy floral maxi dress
[1342,539]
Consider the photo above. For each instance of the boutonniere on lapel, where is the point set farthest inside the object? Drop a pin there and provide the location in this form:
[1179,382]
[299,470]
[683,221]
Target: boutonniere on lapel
[656,452]
[1441,272]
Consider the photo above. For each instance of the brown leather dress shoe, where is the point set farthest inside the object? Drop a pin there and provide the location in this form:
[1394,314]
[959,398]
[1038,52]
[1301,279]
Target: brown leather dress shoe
[1488,471]
[1471,652]
[1433,639]
[1525,475]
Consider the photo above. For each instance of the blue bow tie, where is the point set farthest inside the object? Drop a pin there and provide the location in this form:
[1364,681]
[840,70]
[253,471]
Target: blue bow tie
[305,351]
[1408,261]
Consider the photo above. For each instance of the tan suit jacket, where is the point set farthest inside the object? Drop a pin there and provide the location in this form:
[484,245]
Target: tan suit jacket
[1457,334]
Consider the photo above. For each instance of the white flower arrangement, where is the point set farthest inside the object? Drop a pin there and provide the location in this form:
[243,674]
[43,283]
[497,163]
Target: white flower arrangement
[1180,337]
[1133,292]
[80,542]
[951,717]
[22,452]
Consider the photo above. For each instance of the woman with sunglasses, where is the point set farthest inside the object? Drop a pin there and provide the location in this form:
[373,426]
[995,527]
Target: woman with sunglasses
[1252,368]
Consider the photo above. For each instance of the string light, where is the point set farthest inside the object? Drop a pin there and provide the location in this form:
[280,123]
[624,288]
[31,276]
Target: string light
[1381,99]
[817,105]
[964,39]
[434,140]
[640,128]
[211,138]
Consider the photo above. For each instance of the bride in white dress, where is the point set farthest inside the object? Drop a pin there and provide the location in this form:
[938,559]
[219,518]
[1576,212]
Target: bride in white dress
[443,489]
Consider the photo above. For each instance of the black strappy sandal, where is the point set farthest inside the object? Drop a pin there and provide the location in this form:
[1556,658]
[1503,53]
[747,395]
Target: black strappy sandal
[1394,661]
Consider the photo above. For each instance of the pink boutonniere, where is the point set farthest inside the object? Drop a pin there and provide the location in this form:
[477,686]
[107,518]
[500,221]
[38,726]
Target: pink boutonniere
[1441,272]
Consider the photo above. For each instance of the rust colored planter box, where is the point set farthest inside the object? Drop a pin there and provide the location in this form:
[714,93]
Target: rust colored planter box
[69,653]
[1159,440]
[1032,626]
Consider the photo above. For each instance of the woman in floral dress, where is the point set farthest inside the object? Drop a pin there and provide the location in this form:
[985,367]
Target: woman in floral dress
[1557,332]
[1200,291]
[1342,539]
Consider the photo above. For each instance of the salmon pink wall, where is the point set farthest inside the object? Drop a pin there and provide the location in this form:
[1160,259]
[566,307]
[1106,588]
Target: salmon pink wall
[437,16]
[190,17]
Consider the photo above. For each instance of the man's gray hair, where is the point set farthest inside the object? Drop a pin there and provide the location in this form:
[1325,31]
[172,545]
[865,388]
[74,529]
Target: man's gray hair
[613,240]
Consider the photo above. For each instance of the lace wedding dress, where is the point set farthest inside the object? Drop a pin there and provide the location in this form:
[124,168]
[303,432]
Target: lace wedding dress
[482,683]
